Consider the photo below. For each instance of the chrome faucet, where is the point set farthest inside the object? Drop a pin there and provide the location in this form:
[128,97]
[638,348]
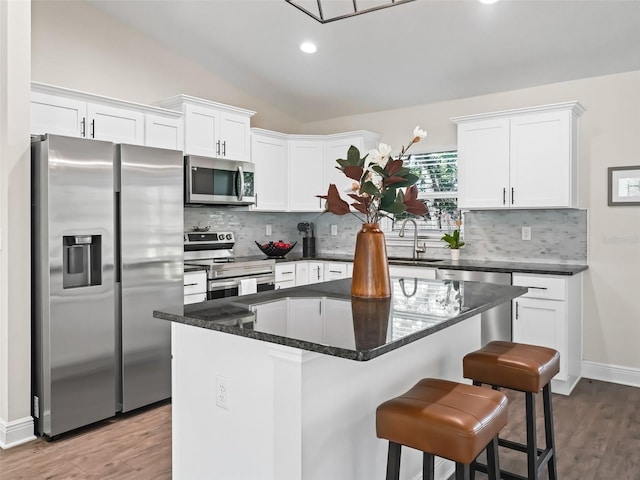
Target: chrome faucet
[416,250]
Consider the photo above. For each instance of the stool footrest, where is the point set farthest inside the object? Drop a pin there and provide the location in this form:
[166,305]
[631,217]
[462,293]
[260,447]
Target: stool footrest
[520,447]
[481,467]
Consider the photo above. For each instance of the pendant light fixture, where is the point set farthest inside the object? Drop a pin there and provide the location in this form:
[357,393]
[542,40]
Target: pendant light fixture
[325,11]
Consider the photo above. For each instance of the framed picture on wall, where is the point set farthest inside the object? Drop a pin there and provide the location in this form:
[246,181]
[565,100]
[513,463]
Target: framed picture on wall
[624,186]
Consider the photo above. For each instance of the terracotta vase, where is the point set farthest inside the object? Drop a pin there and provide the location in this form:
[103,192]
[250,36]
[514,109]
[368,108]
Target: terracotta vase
[370,265]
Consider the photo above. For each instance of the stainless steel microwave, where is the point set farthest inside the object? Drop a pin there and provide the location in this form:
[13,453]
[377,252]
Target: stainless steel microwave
[216,181]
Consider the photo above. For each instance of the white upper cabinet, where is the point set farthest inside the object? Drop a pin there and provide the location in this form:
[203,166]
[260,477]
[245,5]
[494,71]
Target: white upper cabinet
[292,170]
[337,147]
[306,175]
[269,155]
[523,158]
[213,129]
[62,111]
[164,132]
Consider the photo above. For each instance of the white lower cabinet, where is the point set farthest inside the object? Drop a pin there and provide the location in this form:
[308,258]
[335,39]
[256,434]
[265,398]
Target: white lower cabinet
[550,315]
[316,272]
[302,273]
[335,271]
[285,275]
[195,287]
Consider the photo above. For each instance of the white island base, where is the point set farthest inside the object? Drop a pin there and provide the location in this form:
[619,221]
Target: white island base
[293,414]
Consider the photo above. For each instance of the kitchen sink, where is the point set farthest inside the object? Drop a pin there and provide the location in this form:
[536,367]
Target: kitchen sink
[410,261]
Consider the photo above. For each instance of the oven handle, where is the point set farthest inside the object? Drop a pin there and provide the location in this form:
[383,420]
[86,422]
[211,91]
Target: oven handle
[215,285]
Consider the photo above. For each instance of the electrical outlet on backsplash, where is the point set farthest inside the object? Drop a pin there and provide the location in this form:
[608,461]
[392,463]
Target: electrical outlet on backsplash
[557,236]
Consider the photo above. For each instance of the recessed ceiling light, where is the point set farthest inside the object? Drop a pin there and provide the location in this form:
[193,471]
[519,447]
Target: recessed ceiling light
[488,2]
[308,47]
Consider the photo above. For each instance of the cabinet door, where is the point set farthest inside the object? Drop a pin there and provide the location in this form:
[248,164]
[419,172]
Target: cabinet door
[334,150]
[335,271]
[305,319]
[542,322]
[316,272]
[57,115]
[302,273]
[114,124]
[163,132]
[541,160]
[483,164]
[201,133]
[306,175]
[235,137]
[271,318]
[269,156]
[412,272]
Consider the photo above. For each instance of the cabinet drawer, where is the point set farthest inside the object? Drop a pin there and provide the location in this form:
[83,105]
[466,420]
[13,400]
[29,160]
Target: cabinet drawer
[195,282]
[545,287]
[286,272]
[195,298]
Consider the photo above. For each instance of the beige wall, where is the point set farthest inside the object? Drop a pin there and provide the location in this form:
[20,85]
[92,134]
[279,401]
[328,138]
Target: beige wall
[77,46]
[609,136]
[15,289]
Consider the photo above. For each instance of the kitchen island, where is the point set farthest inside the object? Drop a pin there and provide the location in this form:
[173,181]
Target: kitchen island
[284,385]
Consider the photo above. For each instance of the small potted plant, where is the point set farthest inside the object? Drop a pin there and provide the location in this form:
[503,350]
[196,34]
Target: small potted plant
[453,241]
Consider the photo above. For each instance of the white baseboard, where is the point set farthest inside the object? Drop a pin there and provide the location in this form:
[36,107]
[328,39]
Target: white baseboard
[16,432]
[611,373]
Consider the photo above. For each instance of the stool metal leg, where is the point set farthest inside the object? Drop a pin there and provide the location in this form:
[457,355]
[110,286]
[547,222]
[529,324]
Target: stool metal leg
[548,430]
[393,461]
[493,464]
[463,471]
[428,466]
[532,448]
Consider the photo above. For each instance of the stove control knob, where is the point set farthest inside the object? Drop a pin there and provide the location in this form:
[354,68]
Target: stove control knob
[229,236]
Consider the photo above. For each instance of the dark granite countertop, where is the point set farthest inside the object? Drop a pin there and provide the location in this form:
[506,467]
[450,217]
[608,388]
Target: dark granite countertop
[347,327]
[474,265]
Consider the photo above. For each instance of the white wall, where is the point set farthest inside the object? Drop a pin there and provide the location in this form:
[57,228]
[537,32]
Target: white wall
[16,425]
[75,45]
[609,136]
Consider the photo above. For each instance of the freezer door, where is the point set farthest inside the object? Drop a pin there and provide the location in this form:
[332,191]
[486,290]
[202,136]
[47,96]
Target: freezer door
[73,279]
[151,274]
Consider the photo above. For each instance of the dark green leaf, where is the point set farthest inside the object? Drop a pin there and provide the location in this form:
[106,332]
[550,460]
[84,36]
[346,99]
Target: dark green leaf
[353,156]
[371,189]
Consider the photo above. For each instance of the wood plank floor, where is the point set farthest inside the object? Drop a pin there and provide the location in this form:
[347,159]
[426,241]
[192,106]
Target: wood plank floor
[597,436]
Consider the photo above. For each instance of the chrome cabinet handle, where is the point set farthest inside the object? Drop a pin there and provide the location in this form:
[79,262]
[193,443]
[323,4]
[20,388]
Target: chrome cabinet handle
[218,147]
[224,148]
[93,128]
[512,194]
[517,310]
[83,123]
[504,196]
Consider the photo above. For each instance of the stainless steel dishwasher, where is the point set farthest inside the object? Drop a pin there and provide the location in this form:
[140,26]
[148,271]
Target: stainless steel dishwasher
[496,322]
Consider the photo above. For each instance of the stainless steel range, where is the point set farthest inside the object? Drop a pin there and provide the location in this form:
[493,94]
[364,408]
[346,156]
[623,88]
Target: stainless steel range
[227,275]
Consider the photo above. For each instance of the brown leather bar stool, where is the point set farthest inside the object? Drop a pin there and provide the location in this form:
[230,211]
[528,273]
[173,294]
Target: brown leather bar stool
[444,419]
[528,369]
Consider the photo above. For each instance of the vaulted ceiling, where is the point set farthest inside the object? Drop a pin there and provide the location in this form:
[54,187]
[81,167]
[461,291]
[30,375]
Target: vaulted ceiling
[415,53]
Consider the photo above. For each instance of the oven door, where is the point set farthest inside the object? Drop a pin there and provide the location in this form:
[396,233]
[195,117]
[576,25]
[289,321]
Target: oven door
[215,181]
[230,287]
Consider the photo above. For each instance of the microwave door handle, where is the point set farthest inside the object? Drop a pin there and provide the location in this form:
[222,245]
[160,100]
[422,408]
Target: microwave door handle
[241,189]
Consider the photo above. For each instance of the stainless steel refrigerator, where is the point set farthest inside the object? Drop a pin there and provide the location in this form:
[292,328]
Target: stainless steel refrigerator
[107,250]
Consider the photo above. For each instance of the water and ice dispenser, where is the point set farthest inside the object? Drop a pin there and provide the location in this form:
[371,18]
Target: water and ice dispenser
[82,260]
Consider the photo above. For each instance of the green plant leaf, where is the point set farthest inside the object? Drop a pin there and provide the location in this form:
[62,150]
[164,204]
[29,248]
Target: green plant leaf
[371,189]
[353,156]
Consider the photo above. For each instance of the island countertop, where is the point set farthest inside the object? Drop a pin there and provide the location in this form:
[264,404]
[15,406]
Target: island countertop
[324,318]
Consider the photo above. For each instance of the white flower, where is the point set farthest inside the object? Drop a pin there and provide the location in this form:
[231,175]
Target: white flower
[418,134]
[379,156]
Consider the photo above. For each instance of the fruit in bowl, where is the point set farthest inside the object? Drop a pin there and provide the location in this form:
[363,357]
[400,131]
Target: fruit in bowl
[276,249]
